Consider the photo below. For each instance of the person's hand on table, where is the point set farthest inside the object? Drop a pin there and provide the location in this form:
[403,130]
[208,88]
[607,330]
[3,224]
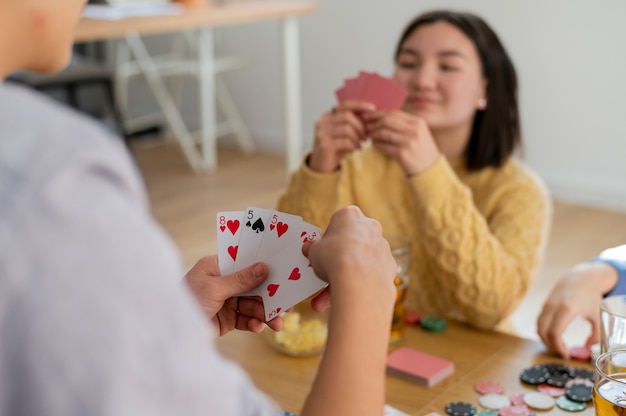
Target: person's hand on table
[338,133]
[578,293]
[404,137]
[217,296]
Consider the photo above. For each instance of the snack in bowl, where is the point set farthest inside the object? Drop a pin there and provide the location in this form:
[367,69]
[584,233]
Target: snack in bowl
[302,334]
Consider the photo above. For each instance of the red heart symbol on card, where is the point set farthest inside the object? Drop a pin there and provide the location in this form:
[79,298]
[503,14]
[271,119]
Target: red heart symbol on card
[232,250]
[233,225]
[275,312]
[295,274]
[281,228]
[272,226]
[303,233]
[271,289]
[222,228]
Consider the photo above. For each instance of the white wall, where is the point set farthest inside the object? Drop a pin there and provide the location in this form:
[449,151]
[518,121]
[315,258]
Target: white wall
[570,56]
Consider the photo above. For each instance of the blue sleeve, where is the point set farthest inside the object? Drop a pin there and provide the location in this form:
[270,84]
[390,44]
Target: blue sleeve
[620,267]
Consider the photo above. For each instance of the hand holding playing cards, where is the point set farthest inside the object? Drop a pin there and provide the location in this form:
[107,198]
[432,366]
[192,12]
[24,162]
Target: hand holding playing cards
[338,133]
[217,295]
[357,262]
[405,137]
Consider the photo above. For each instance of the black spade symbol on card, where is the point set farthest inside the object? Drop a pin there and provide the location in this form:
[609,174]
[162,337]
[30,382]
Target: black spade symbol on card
[258,226]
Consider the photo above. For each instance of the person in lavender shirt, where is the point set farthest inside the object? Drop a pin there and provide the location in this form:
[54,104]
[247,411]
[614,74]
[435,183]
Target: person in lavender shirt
[579,293]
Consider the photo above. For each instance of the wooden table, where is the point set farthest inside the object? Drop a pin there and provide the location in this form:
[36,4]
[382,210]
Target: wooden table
[476,355]
[200,21]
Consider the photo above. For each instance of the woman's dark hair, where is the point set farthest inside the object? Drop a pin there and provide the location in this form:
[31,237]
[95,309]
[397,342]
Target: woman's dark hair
[496,131]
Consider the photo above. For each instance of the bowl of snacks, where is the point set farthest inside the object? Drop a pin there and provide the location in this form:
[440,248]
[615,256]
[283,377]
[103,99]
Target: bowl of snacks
[304,332]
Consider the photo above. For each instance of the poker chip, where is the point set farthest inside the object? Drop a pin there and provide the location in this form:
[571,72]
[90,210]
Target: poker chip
[433,323]
[534,375]
[579,390]
[551,390]
[558,380]
[489,387]
[514,411]
[486,412]
[559,374]
[570,405]
[518,399]
[494,401]
[555,368]
[581,353]
[412,317]
[595,352]
[539,400]
[577,372]
[460,409]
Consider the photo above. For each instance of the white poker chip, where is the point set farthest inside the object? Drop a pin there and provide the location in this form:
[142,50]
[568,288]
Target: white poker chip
[538,400]
[494,401]
[595,352]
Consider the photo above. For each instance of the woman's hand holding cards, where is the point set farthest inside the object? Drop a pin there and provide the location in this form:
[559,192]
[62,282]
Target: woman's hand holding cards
[338,133]
[404,137]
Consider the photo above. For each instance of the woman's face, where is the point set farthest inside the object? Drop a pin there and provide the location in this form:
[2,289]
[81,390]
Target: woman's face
[440,68]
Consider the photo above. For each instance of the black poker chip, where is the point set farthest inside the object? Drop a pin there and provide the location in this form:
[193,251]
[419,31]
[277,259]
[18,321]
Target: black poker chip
[578,372]
[556,368]
[559,374]
[460,409]
[558,380]
[534,375]
[580,390]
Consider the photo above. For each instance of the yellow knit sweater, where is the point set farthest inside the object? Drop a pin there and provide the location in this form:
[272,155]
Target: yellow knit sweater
[477,237]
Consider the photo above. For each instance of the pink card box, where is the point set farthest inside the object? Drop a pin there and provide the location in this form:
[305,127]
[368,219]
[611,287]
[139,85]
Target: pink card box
[424,369]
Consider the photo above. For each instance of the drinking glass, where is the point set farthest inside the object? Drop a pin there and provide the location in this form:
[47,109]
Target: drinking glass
[609,392]
[613,323]
[401,251]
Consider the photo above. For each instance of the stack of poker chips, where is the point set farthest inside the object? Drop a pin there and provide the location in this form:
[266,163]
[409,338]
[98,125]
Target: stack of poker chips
[568,388]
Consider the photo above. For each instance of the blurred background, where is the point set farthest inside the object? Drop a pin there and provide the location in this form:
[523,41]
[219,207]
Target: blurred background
[570,64]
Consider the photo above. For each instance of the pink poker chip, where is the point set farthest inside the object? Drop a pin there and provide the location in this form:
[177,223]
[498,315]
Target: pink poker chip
[581,353]
[518,399]
[551,390]
[514,411]
[489,387]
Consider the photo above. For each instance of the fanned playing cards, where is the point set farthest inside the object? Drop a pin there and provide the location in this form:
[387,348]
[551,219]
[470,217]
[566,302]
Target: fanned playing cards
[384,92]
[275,238]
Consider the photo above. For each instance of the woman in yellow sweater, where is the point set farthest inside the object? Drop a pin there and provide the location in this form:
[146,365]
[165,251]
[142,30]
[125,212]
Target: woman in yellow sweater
[439,171]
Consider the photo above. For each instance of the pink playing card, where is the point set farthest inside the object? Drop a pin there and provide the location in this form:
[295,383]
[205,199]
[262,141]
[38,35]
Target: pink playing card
[384,92]
[229,224]
[417,366]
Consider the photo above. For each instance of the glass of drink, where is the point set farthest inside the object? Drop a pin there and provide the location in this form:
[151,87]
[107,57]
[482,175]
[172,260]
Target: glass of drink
[609,393]
[613,323]
[401,251]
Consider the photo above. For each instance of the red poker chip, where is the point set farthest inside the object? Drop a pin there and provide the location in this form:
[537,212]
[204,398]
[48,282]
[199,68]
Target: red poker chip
[514,411]
[489,387]
[412,317]
[581,353]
